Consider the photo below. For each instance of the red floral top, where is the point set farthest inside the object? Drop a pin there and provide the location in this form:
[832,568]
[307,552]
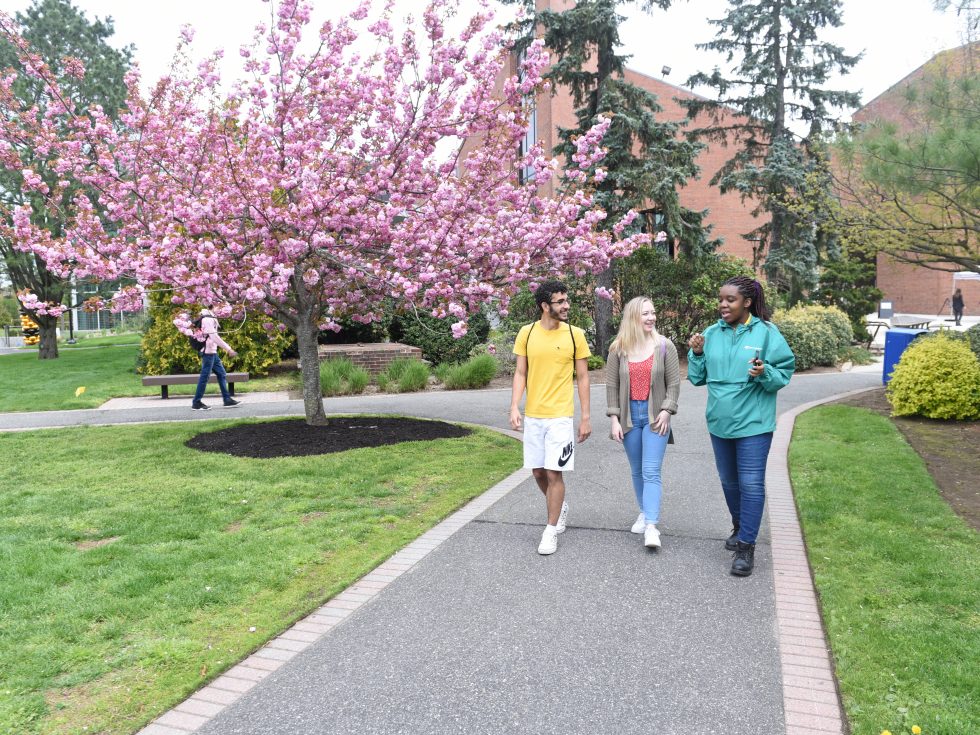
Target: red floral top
[640,379]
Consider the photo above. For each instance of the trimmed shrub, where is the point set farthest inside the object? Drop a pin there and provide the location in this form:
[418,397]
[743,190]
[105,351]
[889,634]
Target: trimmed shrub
[937,377]
[340,377]
[164,350]
[834,318]
[476,372]
[810,338]
[404,375]
[435,337]
[595,362]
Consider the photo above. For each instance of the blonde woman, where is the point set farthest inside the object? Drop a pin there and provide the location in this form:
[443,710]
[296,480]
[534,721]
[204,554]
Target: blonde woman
[642,384]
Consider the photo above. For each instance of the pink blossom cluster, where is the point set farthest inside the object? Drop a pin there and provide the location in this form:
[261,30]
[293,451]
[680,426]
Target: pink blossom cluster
[31,303]
[320,186]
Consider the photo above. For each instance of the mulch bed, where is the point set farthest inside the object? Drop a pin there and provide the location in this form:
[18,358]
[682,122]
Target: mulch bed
[949,449]
[294,438]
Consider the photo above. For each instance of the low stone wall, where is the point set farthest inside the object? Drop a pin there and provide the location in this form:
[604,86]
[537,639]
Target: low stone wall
[372,357]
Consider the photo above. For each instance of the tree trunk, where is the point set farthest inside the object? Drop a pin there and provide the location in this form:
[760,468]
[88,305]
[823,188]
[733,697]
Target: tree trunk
[603,315]
[48,332]
[309,358]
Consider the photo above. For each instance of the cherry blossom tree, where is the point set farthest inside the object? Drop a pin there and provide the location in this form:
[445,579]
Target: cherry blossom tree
[326,182]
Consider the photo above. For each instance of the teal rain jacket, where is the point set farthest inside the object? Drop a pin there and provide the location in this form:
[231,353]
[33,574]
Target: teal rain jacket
[739,405]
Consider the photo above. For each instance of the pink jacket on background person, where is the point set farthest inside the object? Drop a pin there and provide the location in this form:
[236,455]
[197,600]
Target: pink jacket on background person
[209,325]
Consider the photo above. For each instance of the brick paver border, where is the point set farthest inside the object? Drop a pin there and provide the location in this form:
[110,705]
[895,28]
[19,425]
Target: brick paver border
[811,700]
[202,706]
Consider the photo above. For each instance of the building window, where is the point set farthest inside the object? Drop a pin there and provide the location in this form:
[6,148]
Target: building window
[530,139]
[655,224]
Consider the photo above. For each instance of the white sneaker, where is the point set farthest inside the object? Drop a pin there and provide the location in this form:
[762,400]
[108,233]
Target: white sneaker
[549,541]
[640,525]
[651,537]
[562,518]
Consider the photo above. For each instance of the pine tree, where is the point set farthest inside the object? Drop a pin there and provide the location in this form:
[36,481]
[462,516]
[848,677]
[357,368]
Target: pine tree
[780,68]
[56,30]
[647,159]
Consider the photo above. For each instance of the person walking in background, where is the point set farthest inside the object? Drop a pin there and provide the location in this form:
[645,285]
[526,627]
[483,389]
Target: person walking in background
[642,386]
[958,306]
[744,360]
[548,351]
[211,362]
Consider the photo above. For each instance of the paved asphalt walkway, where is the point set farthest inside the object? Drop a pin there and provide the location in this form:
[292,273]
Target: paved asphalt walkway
[483,635]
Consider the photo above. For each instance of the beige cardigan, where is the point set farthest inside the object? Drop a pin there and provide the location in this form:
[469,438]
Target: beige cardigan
[665,385]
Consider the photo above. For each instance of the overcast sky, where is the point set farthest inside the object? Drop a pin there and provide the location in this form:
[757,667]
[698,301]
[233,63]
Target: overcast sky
[663,38]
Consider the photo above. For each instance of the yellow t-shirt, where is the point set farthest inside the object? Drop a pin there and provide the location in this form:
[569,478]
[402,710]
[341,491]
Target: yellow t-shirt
[550,363]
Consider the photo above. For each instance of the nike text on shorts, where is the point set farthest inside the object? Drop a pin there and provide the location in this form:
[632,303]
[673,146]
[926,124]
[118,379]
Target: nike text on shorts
[549,443]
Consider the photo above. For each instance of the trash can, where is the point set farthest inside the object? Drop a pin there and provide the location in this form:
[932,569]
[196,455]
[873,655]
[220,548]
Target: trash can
[896,340]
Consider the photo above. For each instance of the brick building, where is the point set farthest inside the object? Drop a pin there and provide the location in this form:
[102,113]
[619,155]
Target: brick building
[728,215]
[915,289]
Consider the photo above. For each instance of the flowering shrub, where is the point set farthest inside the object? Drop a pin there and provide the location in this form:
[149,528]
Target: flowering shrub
[937,377]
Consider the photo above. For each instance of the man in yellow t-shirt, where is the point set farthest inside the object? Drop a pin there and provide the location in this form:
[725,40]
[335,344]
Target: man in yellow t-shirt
[547,353]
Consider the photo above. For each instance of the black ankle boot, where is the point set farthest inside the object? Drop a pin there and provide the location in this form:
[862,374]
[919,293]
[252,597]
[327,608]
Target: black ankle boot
[743,559]
[732,541]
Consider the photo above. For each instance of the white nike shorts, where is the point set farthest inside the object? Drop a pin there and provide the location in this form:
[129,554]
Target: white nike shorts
[549,443]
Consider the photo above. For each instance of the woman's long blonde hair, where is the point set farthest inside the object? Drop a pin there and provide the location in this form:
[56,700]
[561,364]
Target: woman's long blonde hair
[630,329]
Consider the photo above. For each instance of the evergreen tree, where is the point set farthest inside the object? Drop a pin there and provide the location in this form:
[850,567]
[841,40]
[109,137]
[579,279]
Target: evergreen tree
[781,67]
[912,184]
[647,160]
[56,30]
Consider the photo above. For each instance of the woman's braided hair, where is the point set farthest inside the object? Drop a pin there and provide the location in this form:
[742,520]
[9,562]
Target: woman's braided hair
[752,289]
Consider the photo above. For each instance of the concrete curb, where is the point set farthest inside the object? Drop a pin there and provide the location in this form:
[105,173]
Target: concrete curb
[811,700]
[206,703]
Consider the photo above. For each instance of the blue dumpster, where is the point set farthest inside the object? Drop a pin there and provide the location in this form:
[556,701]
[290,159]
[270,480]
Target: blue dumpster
[896,340]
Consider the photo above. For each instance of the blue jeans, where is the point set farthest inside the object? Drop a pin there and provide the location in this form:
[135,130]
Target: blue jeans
[211,363]
[645,450]
[741,467]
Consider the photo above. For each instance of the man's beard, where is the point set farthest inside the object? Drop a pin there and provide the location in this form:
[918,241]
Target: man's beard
[556,315]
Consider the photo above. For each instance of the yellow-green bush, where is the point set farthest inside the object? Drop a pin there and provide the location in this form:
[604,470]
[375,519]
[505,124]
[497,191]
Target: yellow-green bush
[164,350]
[937,377]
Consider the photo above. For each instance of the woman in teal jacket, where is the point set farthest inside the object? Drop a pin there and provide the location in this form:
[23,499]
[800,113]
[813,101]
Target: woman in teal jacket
[744,360]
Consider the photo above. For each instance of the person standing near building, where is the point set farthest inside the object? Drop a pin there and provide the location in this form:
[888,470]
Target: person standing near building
[548,352]
[744,360]
[642,385]
[211,362]
[958,306]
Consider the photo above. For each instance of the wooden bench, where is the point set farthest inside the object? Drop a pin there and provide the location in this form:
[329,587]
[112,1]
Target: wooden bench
[187,379]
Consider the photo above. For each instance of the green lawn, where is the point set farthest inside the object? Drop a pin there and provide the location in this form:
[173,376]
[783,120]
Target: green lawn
[29,384]
[897,573]
[132,567]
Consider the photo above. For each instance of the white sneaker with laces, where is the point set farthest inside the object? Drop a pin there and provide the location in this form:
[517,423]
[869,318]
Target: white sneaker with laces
[640,525]
[549,541]
[562,518]
[651,537]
